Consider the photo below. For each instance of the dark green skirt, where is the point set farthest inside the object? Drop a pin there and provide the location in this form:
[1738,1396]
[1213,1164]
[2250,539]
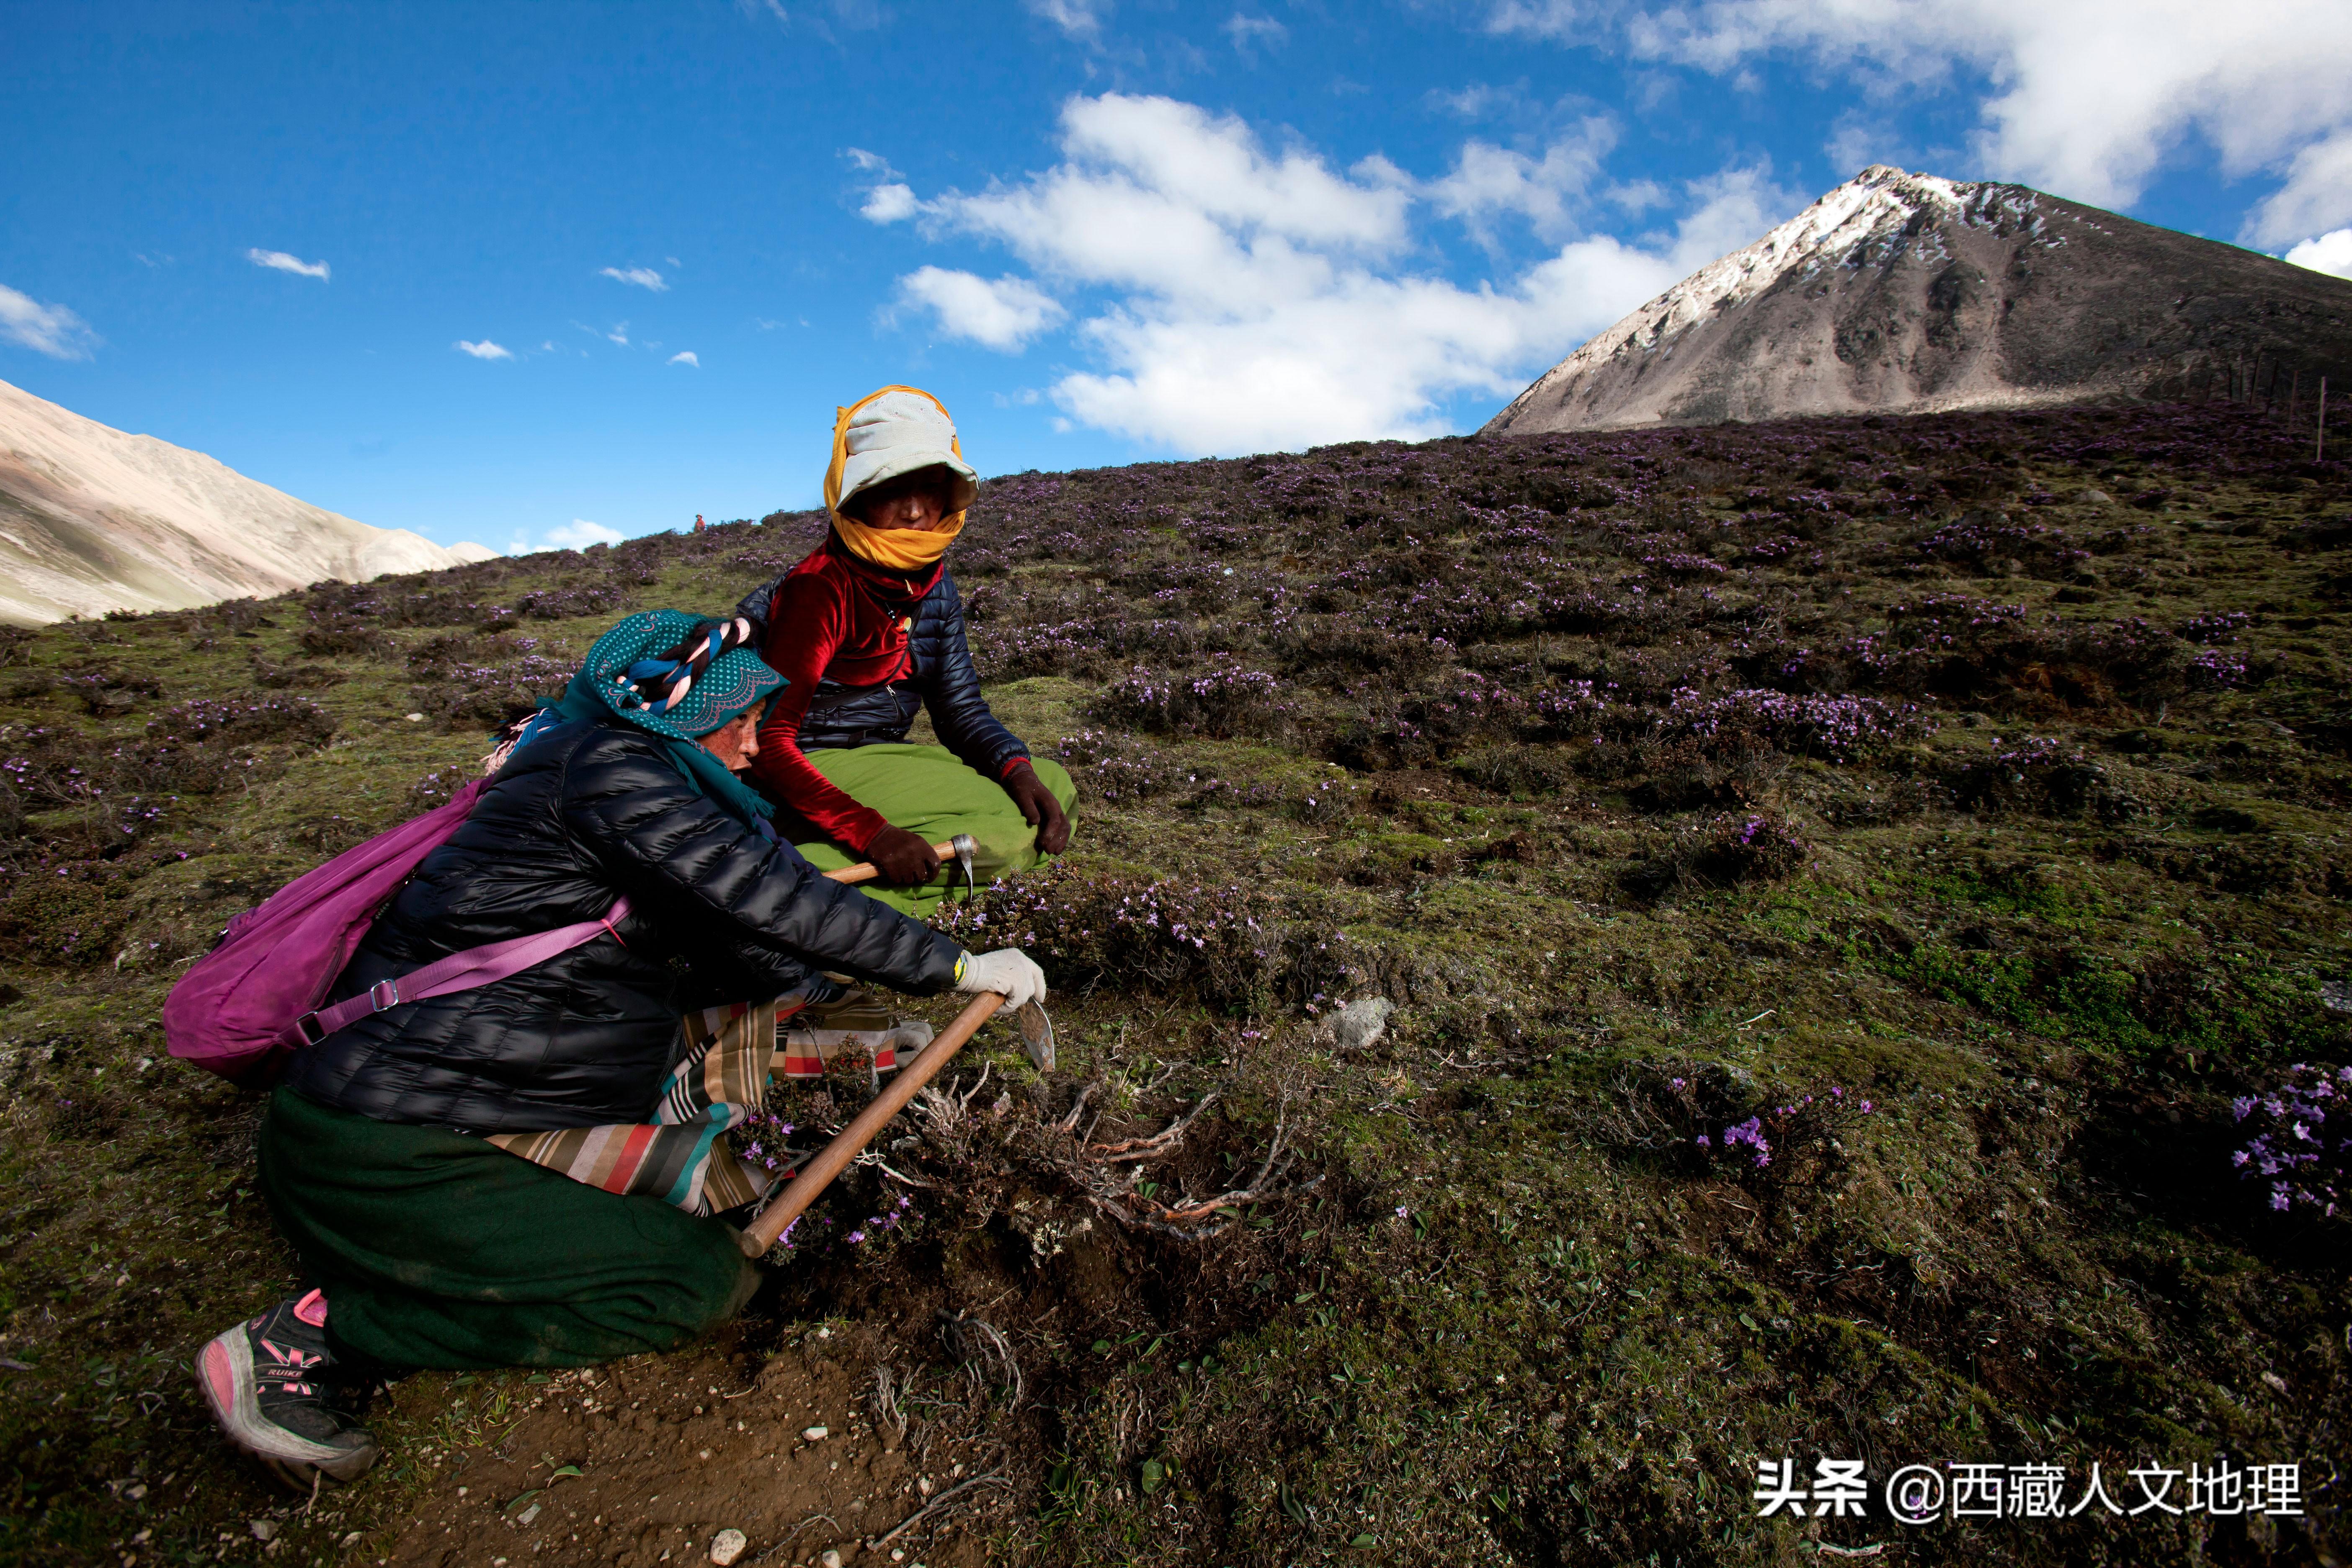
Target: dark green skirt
[441,1250]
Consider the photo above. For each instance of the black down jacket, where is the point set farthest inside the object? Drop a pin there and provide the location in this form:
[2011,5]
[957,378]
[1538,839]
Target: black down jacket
[943,680]
[718,914]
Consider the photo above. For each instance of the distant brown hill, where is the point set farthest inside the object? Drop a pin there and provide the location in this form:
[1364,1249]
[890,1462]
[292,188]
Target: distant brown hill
[1905,293]
[93,519]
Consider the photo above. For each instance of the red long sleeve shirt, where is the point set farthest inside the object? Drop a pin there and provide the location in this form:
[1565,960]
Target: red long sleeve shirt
[825,625]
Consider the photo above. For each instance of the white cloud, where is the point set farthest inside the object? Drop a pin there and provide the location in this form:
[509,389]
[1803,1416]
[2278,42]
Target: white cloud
[753,10]
[2317,193]
[484,350]
[1247,32]
[1857,141]
[889,203]
[279,261]
[686,357]
[889,199]
[636,276]
[1487,181]
[619,335]
[1160,198]
[579,534]
[50,329]
[1005,314]
[1079,18]
[2087,98]
[2331,252]
[1254,300]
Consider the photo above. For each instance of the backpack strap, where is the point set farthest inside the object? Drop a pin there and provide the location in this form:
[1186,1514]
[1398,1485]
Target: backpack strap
[458,971]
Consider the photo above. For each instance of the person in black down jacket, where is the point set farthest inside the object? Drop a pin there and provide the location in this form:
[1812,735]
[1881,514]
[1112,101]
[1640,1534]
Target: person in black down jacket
[503,1175]
[869,631]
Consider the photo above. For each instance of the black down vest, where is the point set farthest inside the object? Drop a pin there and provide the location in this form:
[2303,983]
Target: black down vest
[718,914]
[943,680]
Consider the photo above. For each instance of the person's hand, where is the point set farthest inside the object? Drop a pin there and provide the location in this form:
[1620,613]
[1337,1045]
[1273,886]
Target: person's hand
[904,859]
[1009,971]
[1039,809]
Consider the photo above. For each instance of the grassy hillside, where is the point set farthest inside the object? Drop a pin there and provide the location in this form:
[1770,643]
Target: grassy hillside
[1833,880]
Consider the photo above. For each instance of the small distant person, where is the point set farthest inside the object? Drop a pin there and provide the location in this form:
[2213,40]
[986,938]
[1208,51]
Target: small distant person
[698,523]
[868,632]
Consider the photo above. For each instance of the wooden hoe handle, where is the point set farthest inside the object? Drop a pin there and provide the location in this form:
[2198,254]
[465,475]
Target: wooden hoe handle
[865,870]
[835,1156]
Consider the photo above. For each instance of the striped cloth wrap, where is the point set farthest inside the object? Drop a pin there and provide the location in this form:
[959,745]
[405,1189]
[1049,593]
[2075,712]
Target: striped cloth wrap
[683,1156]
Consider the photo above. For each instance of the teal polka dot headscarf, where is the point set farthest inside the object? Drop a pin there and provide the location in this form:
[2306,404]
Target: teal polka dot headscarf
[676,674]
[678,677]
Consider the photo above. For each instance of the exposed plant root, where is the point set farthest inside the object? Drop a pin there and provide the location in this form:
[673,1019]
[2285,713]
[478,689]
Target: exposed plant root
[886,1401]
[1158,1142]
[943,1111]
[954,1494]
[981,1346]
[868,1157]
[1090,1168]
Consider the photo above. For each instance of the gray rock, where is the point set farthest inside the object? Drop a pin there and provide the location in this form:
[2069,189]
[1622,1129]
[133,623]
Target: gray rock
[2098,497]
[2336,995]
[1361,1024]
[726,1546]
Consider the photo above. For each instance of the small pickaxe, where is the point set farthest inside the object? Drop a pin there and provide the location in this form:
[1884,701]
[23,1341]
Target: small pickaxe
[1036,1034]
[959,849]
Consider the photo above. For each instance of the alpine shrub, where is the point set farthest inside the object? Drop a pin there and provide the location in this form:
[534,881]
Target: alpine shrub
[2302,1142]
[1117,768]
[1223,700]
[209,721]
[1130,933]
[1750,846]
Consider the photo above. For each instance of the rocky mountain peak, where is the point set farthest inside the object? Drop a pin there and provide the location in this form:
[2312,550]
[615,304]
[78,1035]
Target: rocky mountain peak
[1904,292]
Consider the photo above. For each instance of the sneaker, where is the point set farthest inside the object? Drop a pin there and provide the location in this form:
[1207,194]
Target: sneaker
[268,1382]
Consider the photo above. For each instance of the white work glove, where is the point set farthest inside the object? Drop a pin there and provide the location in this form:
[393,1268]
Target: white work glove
[1008,971]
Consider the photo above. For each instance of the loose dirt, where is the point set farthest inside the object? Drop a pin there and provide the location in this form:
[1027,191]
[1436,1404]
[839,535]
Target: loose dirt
[646,1461]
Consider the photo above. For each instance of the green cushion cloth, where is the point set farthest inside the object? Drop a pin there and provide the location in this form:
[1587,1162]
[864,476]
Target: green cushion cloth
[440,1250]
[925,790]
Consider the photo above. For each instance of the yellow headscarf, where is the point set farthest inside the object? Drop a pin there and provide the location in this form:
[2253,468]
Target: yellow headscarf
[895,549]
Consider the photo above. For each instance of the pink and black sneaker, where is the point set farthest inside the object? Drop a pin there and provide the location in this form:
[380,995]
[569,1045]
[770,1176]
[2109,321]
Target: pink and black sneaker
[269,1382]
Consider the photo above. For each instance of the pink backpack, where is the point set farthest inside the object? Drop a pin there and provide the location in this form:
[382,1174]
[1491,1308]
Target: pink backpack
[255,997]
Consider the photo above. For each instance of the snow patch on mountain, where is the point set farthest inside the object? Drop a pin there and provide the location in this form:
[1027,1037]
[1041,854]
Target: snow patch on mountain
[1870,213]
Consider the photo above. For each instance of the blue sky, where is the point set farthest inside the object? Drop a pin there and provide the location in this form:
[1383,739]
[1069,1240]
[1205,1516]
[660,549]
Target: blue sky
[1100,229]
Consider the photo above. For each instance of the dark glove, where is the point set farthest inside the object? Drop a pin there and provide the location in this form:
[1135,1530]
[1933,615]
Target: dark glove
[903,858]
[1039,809]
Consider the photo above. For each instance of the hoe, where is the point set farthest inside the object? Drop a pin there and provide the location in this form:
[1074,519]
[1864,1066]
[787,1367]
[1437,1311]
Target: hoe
[1036,1034]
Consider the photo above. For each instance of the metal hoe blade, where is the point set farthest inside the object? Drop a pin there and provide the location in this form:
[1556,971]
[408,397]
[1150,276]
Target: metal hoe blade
[1038,1034]
[966,847]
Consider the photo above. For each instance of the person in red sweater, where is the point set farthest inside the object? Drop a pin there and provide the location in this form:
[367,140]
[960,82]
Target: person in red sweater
[868,631]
